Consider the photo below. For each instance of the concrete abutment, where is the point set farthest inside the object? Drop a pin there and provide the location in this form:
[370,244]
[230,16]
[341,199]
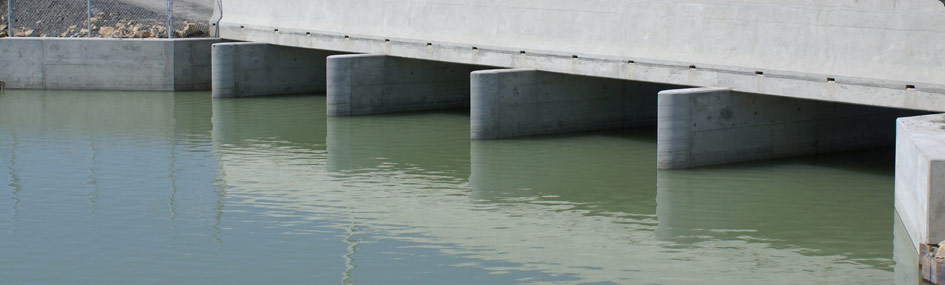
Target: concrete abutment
[920,177]
[366,84]
[522,102]
[710,126]
[106,64]
[258,69]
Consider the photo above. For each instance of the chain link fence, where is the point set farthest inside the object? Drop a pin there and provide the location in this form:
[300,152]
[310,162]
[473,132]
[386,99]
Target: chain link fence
[107,18]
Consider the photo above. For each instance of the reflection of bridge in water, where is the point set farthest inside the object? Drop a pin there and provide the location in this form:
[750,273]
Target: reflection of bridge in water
[725,81]
[524,205]
[576,207]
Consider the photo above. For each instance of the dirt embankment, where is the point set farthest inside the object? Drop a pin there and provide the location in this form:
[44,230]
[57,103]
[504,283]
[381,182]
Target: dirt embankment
[110,18]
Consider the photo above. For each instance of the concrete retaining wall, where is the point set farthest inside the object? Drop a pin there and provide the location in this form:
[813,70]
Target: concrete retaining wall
[522,102]
[882,53]
[373,84]
[105,64]
[257,69]
[920,177]
[708,126]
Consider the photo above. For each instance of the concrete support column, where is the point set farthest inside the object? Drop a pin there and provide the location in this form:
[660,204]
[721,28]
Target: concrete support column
[709,126]
[920,177]
[372,84]
[257,69]
[522,102]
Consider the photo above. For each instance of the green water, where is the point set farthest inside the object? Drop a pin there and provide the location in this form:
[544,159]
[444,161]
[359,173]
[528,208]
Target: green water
[158,188]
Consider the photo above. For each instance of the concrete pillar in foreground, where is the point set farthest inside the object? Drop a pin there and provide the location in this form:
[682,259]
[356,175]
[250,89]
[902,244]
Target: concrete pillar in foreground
[709,126]
[521,102]
[920,177]
[258,69]
[365,84]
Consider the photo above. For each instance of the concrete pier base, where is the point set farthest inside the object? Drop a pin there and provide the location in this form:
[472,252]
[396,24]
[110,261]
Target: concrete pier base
[920,177]
[372,84]
[521,102]
[710,126]
[257,69]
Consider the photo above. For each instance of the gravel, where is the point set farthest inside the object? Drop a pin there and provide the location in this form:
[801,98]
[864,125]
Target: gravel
[67,18]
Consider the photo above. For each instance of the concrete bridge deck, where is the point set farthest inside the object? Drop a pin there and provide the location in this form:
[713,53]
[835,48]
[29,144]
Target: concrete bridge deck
[880,53]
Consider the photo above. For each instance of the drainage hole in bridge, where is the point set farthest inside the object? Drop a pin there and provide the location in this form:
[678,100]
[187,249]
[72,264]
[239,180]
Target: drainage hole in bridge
[831,79]
[759,73]
[910,86]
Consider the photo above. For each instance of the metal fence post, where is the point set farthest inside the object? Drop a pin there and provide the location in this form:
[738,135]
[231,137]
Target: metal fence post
[88,16]
[170,20]
[10,18]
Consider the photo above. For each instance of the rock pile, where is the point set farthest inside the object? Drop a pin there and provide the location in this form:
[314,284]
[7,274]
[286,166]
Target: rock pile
[110,26]
[3,27]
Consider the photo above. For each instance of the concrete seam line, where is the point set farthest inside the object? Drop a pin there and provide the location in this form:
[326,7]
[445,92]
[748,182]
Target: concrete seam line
[689,131]
[42,62]
[173,67]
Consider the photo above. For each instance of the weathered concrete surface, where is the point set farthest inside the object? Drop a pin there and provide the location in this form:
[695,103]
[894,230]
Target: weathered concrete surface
[522,102]
[373,84]
[920,177]
[257,69]
[105,64]
[862,52]
[708,126]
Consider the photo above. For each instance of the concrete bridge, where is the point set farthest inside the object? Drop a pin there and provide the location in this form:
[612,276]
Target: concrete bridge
[724,80]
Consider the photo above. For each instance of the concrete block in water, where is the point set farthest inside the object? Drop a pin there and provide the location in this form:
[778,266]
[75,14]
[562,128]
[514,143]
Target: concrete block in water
[372,84]
[709,126]
[522,102]
[920,178]
[256,69]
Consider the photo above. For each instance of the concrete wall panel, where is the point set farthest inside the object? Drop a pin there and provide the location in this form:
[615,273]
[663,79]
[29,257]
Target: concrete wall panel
[105,64]
[21,64]
[192,64]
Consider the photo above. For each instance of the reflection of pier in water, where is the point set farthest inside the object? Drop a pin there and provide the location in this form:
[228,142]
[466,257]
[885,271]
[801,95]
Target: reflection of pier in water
[567,206]
[780,203]
[522,204]
[98,128]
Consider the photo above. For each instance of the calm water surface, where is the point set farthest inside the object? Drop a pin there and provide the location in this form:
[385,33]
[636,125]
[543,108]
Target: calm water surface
[105,187]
